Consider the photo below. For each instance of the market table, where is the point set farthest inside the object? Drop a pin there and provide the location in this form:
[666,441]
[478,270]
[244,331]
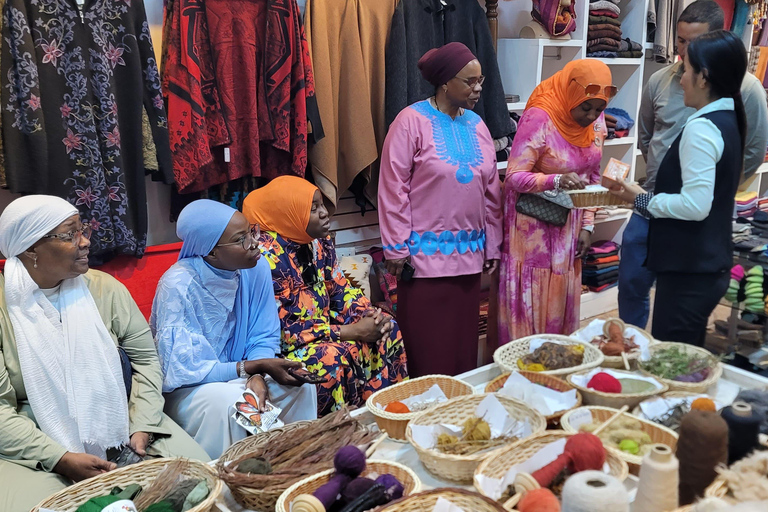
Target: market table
[732,381]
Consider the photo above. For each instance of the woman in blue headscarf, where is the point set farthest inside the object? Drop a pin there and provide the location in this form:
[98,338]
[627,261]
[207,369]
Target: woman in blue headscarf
[215,323]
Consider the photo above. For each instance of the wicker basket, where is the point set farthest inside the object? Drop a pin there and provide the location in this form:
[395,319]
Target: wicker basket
[659,433]
[460,468]
[394,424]
[545,380]
[507,355]
[425,501]
[591,198]
[690,387]
[632,357]
[310,484]
[497,465]
[615,400]
[143,473]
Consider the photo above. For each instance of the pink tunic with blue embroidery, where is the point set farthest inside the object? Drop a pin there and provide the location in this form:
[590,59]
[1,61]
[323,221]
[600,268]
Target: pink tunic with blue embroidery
[439,192]
[540,280]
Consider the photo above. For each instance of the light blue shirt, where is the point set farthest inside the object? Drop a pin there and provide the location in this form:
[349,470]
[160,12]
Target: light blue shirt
[701,148]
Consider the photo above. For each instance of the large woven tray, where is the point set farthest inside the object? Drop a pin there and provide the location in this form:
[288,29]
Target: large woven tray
[425,501]
[497,464]
[615,400]
[143,473]
[395,424]
[379,467]
[460,468]
[549,381]
[690,387]
[659,433]
[507,355]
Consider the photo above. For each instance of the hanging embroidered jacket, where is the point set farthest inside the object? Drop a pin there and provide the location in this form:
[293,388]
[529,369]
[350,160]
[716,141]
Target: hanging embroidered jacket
[75,84]
[239,88]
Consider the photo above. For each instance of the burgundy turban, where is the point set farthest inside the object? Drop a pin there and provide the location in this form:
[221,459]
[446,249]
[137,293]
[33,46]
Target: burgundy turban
[439,65]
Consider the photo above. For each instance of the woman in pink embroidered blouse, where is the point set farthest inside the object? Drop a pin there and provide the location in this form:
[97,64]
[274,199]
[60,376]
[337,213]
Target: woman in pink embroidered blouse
[440,210]
[558,145]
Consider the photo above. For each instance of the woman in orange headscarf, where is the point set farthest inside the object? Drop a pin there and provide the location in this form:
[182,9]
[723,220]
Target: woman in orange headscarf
[558,146]
[327,324]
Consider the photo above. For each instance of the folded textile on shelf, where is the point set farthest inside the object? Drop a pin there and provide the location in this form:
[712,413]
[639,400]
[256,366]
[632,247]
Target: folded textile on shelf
[604,5]
[604,41]
[603,55]
[604,12]
[623,119]
[598,289]
[629,45]
[597,20]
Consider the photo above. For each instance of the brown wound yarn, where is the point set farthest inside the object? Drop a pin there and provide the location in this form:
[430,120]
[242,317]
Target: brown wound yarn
[703,444]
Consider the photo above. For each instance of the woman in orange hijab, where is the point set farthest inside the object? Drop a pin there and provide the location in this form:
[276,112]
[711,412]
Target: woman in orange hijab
[327,324]
[558,146]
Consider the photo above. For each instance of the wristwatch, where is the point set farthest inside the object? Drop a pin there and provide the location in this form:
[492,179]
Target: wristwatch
[241,370]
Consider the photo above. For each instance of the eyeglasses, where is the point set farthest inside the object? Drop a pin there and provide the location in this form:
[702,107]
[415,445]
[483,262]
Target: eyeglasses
[248,241]
[306,260]
[473,81]
[609,91]
[73,236]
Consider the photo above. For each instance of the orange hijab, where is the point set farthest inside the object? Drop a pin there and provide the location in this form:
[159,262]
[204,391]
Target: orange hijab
[561,93]
[282,206]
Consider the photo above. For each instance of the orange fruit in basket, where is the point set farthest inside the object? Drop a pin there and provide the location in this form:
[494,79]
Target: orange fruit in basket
[397,408]
[703,404]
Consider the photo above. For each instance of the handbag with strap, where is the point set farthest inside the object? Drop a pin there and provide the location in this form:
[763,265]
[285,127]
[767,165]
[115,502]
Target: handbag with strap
[551,206]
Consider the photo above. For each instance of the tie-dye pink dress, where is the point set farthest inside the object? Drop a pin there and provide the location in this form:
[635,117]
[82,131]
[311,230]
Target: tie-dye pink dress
[540,281]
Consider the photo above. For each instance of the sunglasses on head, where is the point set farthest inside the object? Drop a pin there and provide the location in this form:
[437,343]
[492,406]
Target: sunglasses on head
[592,90]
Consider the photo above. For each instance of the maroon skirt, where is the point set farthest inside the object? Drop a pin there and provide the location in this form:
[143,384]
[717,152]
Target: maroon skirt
[439,319]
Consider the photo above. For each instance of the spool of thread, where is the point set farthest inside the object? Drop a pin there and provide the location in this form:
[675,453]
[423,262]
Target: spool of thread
[743,430]
[583,451]
[702,445]
[591,491]
[658,487]
[306,503]
[539,500]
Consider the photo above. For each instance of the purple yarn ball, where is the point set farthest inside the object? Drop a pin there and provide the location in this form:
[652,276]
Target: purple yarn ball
[350,461]
[355,488]
[393,487]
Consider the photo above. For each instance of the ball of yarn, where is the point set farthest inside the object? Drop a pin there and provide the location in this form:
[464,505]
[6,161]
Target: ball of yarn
[255,465]
[583,451]
[476,430]
[605,383]
[629,446]
[703,404]
[702,445]
[392,485]
[397,408]
[591,491]
[350,461]
[354,489]
[539,500]
[444,438]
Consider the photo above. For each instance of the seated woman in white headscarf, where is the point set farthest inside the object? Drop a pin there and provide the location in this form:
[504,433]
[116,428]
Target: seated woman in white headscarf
[66,401]
[215,323]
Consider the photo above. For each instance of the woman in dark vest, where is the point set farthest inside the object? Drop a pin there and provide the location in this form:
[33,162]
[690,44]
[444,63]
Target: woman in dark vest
[690,210]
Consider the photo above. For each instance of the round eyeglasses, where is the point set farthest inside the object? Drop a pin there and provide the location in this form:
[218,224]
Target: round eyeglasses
[74,236]
[248,241]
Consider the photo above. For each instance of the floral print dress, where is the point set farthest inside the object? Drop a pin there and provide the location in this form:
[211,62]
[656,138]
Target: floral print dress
[311,317]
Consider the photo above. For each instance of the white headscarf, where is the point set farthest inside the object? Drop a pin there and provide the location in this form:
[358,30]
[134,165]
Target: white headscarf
[69,362]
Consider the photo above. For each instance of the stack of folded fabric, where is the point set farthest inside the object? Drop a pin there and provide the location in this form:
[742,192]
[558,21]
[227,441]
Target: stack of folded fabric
[604,33]
[601,268]
[624,123]
[762,204]
[746,204]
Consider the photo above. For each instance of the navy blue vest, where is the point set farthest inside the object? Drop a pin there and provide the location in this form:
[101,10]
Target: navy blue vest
[698,246]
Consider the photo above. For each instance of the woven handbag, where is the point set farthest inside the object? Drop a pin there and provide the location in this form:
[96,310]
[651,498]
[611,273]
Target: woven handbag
[551,206]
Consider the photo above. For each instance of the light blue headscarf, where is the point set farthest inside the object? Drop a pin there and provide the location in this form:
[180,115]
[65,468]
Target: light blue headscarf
[201,224]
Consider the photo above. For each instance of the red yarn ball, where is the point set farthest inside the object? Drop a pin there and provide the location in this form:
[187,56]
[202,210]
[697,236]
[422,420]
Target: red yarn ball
[605,383]
[539,500]
[586,451]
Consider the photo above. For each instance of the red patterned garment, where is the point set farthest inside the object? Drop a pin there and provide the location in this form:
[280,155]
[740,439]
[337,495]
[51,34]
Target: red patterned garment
[239,88]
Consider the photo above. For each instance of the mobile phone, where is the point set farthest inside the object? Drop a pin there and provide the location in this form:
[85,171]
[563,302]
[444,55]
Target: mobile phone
[408,271]
[126,457]
[304,375]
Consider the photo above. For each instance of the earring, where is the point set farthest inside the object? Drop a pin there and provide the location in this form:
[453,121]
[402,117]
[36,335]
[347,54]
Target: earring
[34,259]
[445,88]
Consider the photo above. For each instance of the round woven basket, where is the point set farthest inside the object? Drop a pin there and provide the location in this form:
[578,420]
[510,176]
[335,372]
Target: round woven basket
[460,468]
[690,387]
[545,380]
[143,474]
[497,465]
[632,357]
[379,467]
[425,501]
[507,355]
[395,424]
[659,433]
[615,400]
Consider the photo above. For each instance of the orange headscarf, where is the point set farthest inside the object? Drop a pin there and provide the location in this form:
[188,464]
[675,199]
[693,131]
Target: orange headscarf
[561,93]
[283,206]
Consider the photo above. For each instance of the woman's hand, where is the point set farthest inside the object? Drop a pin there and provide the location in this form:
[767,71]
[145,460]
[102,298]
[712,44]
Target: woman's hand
[140,442]
[490,266]
[258,385]
[277,368]
[395,267]
[627,191]
[383,321]
[572,181]
[367,329]
[585,242]
[79,466]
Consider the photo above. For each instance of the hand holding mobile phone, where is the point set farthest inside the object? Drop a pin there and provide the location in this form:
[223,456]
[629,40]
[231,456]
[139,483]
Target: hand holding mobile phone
[408,272]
